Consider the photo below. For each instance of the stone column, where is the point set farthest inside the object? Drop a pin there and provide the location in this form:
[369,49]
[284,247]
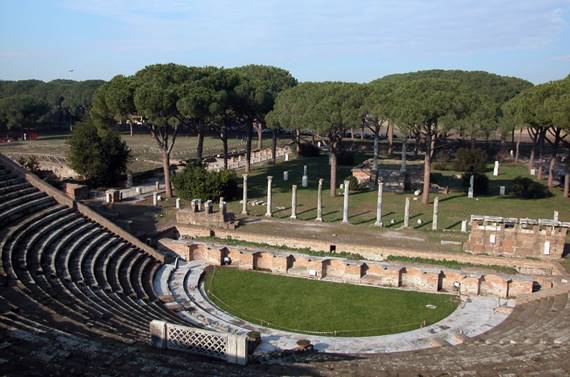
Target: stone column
[435,214]
[556,216]
[407,214]
[320,201]
[154,199]
[157,185]
[244,205]
[305,179]
[379,205]
[294,202]
[471,187]
[464,226]
[285,176]
[177,203]
[345,204]
[268,213]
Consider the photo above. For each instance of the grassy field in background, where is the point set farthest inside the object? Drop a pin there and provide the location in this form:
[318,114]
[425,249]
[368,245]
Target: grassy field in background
[310,306]
[454,207]
[146,154]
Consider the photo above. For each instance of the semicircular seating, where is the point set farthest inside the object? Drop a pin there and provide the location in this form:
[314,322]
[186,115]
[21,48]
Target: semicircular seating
[72,293]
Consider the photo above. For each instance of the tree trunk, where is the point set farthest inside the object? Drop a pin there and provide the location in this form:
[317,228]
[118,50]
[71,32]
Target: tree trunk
[427,178]
[551,167]
[541,140]
[518,146]
[417,146]
[131,128]
[297,141]
[225,143]
[567,183]
[200,145]
[332,159]
[390,139]
[274,146]
[248,147]
[352,134]
[166,171]
[362,133]
[259,129]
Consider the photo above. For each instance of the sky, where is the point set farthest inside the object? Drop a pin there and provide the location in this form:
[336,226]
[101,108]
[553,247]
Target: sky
[316,40]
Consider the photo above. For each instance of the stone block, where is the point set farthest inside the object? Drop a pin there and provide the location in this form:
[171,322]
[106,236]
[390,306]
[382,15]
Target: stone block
[76,191]
[246,261]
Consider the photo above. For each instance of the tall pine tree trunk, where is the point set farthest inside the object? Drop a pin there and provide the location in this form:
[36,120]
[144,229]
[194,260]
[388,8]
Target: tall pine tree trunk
[274,146]
[259,129]
[427,178]
[200,144]
[518,146]
[390,138]
[166,172]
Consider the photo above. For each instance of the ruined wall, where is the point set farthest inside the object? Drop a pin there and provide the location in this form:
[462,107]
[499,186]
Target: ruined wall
[517,241]
[379,252]
[425,279]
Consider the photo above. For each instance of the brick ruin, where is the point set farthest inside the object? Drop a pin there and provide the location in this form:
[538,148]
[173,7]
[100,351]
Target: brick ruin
[382,274]
[512,237]
[394,179]
[202,214]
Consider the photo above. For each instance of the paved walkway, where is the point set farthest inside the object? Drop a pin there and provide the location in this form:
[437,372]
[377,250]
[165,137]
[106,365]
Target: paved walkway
[474,316]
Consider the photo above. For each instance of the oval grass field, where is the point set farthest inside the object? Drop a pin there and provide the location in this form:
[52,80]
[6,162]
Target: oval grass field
[317,307]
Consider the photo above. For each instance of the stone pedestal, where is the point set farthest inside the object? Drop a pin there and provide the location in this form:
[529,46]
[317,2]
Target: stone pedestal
[345,202]
[268,213]
[154,199]
[294,202]
[464,226]
[378,222]
[320,201]
[434,223]
[502,190]
[177,203]
[244,202]
[285,176]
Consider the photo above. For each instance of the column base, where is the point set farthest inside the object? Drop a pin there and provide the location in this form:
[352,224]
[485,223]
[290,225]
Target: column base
[268,215]
[319,219]
[379,224]
[293,217]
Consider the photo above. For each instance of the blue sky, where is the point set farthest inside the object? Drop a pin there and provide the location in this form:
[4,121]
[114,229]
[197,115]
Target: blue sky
[315,39]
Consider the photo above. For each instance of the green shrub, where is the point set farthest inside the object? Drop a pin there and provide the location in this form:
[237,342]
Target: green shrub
[471,160]
[98,154]
[345,158]
[354,186]
[309,150]
[480,183]
[527,188]
[29,163]
[195,182]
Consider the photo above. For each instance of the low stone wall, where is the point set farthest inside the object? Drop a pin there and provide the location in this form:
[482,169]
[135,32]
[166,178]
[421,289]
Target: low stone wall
[229,347]
[380,252]
[420,278]
[63,199]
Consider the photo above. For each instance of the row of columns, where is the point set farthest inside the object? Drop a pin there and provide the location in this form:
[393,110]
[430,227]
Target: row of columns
[346,187]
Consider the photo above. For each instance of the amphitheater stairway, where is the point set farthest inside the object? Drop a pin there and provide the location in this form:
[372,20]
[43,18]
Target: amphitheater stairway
[60,271]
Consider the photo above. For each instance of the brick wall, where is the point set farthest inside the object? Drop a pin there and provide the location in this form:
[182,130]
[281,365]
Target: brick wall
[536,241]
[380,252]
[426,279]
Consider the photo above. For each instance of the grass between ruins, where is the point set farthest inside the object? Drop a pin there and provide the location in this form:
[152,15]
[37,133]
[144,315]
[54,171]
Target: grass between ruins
[451,263]
[323,308]
[355,256]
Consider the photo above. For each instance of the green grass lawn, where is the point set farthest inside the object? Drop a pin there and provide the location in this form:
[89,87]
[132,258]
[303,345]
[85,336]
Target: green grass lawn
[454,207]
[310,306]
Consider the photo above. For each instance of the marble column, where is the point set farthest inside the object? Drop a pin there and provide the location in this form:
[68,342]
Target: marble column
[320,201]
[177,203]
[378,222]
[244,204]
[434,222]
[407,214]
[345,204]
[268,213]
[294,202]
